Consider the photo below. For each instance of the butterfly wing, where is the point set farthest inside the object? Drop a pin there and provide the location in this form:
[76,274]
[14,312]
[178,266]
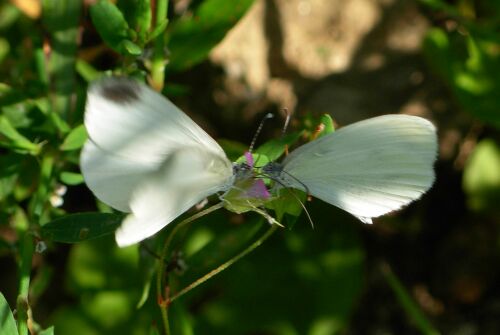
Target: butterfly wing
[368,168]
[133,133]
[131,120]
[187,177]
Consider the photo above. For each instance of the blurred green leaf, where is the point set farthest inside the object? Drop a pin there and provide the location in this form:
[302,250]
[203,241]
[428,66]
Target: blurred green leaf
[131,47]
[7,322]
[75,139]
[469,65]
[192,38]
[48,331]
[159,29]
[111,25]
[17,141]
[287,201]
[99,265]
[327,125]
[79,227]
[4,49]
[308,281]
[481,179]
[9,14]
[62,20]
[87,71]
[233,149]
[138,16]
[8,173]
[71,178]
[218,248]
[105,281]
[273,149]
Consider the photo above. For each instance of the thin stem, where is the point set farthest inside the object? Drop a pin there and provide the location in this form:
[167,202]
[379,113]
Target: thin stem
[225,265]
[409,305]
[36,209]
[165,301]
[24,283]
[158,62]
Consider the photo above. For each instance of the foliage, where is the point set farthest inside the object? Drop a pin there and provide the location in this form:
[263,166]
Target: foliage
[302,281]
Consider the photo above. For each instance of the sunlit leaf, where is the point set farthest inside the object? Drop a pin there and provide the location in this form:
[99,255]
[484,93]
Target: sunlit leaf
[273,149]
[7,322]
[75,139]
[481,180]
[48,331]
[71,178]
[110,23]
[17,140]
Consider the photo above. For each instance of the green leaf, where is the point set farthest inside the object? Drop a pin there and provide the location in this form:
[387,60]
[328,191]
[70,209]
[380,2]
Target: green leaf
[470,67]
[131,47]
[287,201]
[4,49]
[327,125]
[48,331]
[481,179]
[17,141]
[111,25]
[138,16]
[321,269]
[191,39]
[71,178]
[75,139]
[10,165]
[81,226]
[218,248]
[62,20]
[159,29]
[233,149]
[275,148]
[7,322]
[238,201]
[87,71]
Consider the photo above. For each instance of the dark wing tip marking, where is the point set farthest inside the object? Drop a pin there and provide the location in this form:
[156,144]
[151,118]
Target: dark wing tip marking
[118,90]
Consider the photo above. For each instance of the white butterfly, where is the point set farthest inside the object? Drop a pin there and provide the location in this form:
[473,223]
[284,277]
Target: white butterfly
[146,157]
[368,168]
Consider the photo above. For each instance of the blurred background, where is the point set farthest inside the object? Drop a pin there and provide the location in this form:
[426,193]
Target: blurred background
[432,268]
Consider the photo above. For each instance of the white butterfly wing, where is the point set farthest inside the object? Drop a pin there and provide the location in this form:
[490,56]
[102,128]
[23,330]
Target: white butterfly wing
[135,135]
[112,178]
[186,178]
[368,168]
[133,121]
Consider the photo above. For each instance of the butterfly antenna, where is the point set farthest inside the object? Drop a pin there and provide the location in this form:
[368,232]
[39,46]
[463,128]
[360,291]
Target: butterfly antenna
[266,117]
[287,121]
[298,181]
[294,195]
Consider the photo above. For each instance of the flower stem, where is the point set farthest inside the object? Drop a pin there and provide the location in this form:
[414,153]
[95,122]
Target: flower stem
[225,265]
[165,301]
[24,283]
[158,62]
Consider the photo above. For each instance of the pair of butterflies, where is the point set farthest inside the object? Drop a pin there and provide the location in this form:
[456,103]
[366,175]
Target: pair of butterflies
[146,157]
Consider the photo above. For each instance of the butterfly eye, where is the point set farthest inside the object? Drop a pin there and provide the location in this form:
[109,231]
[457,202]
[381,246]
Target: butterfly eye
[242,170]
